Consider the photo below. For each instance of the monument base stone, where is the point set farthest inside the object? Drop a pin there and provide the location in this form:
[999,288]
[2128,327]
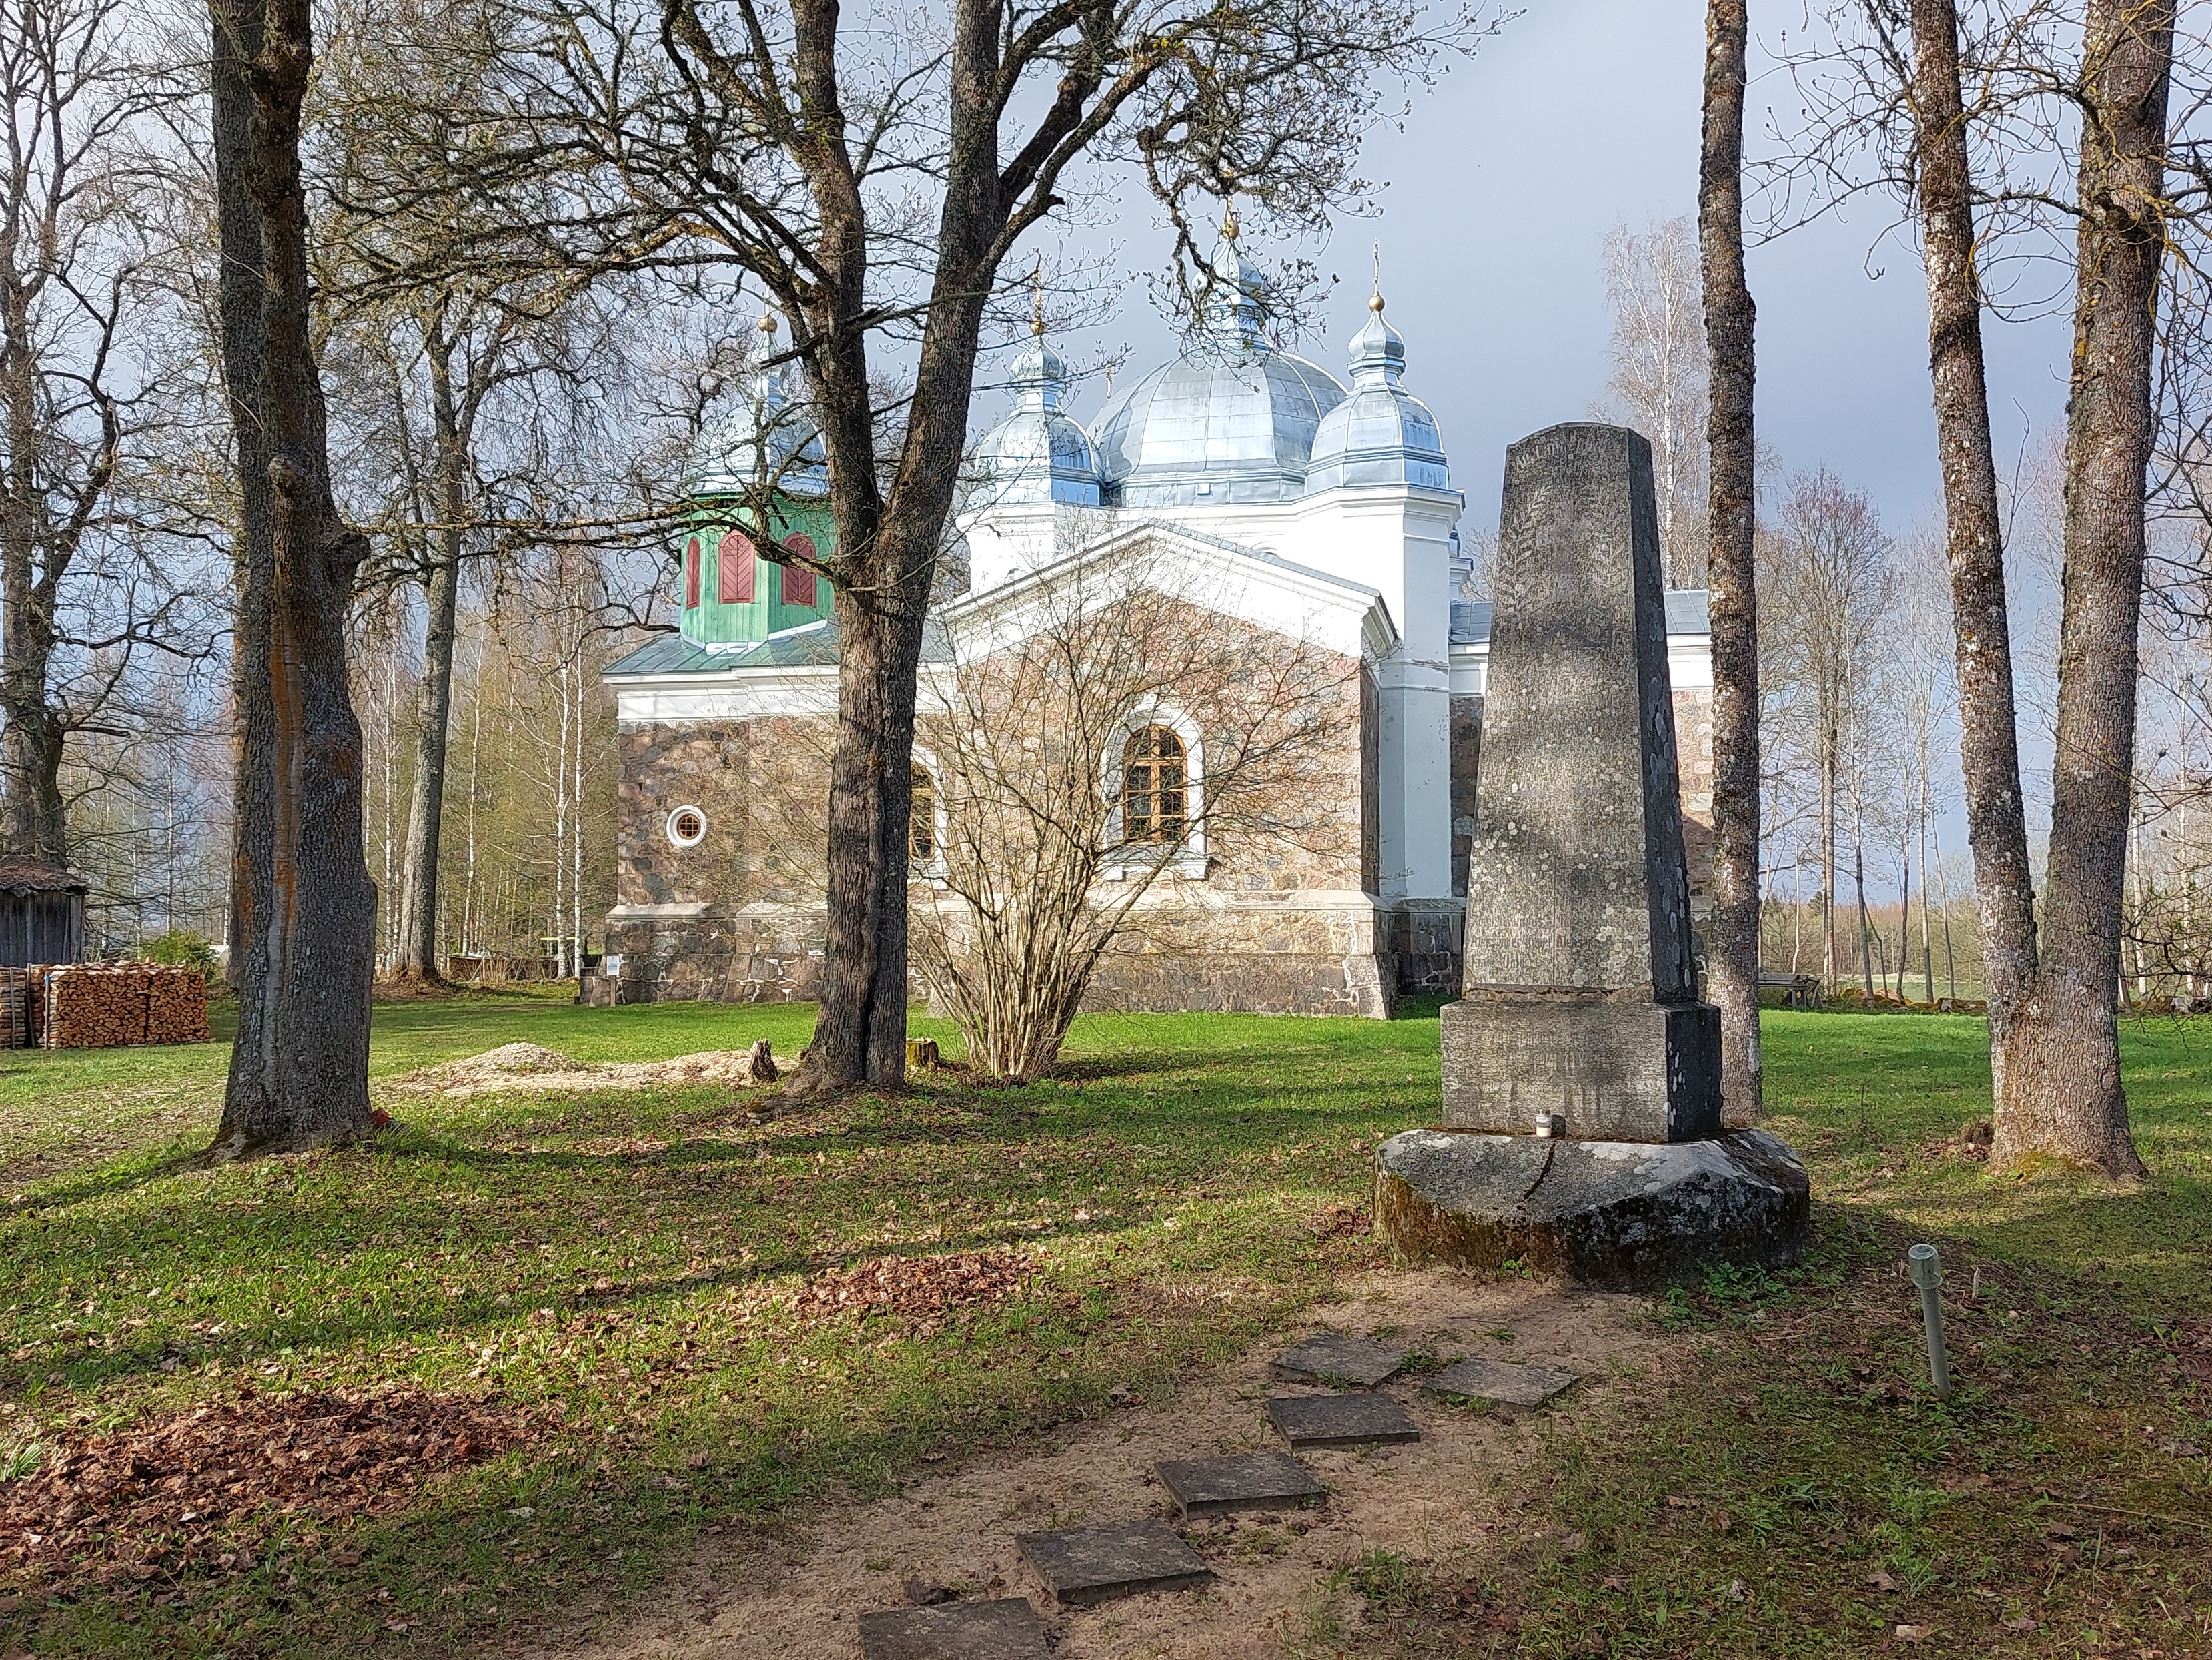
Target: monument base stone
[1624,1213]
[1615,1070]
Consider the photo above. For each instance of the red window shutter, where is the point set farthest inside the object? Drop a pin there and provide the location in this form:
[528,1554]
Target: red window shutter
[798,585]
[733,570]
[691,575]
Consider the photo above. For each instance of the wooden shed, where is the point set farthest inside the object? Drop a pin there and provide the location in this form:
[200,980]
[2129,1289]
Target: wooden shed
[41,913]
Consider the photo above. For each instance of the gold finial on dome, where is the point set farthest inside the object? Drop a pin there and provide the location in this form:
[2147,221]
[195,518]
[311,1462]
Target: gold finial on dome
[1375,299]
[1036,302]
[1229,225]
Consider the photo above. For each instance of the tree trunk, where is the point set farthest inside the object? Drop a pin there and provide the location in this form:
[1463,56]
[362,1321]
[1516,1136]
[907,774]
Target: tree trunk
[1989,743]
[418,888]
[1927,892]
[1904,905]
[1858,879]
[1730,321]
[2137,894]
[417,958]
[2060,1093]
[861,1032]
[30,819]
[305,909]
[1831,743]
[887,547]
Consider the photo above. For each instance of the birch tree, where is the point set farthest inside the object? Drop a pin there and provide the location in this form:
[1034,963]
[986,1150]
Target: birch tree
[1659,376]
[1829,593]
[1731,563]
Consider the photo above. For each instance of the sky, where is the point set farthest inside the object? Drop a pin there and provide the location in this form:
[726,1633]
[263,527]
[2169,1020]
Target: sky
[1580,115]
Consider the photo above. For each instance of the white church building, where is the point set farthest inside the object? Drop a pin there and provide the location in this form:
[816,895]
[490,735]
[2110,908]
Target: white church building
[1309,505]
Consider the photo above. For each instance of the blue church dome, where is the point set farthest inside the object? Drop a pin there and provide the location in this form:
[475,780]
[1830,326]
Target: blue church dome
[1039,452]
[1382,434]
[1230,420]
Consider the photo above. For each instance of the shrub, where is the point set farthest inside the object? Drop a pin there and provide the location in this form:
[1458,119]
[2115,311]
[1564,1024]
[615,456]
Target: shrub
[182,948]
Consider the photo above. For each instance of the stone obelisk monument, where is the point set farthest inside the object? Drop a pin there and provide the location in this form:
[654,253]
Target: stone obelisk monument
[1582,1084]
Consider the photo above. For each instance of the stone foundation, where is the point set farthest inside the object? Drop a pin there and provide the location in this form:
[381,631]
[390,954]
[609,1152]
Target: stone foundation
[763,954]
[1300,952]
[1424,945]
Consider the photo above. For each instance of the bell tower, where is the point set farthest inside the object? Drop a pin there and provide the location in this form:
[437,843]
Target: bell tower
[760,481]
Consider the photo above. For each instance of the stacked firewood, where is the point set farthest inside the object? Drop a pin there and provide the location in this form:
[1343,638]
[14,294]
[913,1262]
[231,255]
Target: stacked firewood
[176,1007]
[96,1006]
[90,1005]
[15,1026]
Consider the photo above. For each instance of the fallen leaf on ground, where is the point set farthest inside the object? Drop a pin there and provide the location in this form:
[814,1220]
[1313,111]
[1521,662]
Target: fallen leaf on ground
[183,1490]
[917,1286]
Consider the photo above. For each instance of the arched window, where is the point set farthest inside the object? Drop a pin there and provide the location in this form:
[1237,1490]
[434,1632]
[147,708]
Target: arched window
[798,585]
[921,818]
[691,575]
[1154,782]
[733,570]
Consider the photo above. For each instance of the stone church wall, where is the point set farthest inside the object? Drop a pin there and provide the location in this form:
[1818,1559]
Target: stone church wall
[1281,920]
[1276,924]
[739,918]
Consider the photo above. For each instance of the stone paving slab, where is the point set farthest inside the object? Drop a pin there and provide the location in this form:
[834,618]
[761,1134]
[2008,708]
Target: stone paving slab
[1248,1481]
[1502,1381]
[1340,1420]
[1006,1629]
[1333,1357]
[1084,1566]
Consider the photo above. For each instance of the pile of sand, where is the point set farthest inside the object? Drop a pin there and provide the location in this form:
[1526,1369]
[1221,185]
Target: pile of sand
[533,1067]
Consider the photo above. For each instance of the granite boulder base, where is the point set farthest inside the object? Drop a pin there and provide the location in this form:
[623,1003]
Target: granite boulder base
[1625,1213]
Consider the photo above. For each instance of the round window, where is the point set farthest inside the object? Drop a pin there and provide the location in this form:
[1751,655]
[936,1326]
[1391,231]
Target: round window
[686,827]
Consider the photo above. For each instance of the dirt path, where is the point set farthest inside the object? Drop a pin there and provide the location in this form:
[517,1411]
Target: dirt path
[956,1528]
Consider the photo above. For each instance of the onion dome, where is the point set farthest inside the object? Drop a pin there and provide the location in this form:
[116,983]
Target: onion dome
[1230,420]
[1382,434]
[1039,452]
[768,440]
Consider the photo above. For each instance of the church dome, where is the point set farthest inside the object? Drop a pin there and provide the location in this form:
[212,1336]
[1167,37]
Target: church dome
[1230,420]
[1039,452]
[768,440]
[1382,434]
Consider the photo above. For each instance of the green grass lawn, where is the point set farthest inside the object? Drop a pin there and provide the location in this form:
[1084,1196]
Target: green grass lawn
[617,1270]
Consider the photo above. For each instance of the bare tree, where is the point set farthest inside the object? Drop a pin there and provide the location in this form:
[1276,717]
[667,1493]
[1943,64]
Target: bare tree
[72,296]
[1060,802]
[1731,561]
[304,909]
[1918,676]
[1828,591]
[450,370]
[1659,375]
[1981,176]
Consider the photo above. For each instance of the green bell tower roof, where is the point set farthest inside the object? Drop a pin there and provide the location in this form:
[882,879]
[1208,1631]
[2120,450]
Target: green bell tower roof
[763,460]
